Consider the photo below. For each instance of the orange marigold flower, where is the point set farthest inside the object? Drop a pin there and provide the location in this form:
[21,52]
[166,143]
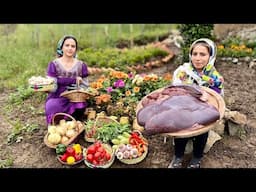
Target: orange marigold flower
[167,76]
[105,98]
[94,85]
[146,78]
[242,46]
[155,78]
[128,93]
[101,80]
[220,47]
[136,89]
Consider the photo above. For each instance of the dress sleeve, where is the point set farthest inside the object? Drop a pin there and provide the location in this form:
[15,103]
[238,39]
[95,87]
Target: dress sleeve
[85,81]
[84,70]
[51,70]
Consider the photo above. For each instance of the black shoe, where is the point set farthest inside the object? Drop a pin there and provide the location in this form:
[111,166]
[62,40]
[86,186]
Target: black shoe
[176,162]
[195,163]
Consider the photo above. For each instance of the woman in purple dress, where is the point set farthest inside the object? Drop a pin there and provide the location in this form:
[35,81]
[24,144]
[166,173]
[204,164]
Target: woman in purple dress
[65,70]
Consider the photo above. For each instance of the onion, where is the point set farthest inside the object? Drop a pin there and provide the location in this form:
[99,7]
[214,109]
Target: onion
[134,152]
[119,155]
[122,148]
[126,154]
[129,147]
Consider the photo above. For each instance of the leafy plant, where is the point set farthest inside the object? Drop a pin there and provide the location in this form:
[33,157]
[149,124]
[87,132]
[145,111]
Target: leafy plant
[110,131]
[6,163]
[192,32]
[120,59]
[22,94]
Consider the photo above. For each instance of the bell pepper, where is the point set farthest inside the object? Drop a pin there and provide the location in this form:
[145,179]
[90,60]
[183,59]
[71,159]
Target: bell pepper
[78,156]
[60,149]
[64,157]
[70,151]
[78,148]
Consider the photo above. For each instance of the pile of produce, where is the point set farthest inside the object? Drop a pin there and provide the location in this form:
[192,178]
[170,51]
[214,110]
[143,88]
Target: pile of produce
[63,132]
[39,83]
[133,148]
[69,155]
[99,155]
[104,129]
[39,80]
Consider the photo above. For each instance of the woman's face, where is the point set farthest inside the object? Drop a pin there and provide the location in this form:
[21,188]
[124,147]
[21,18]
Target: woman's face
[69,47]
[200,57]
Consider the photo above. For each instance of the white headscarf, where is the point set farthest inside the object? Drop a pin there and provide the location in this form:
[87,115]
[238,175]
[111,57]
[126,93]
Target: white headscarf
[186,67]
[213,50]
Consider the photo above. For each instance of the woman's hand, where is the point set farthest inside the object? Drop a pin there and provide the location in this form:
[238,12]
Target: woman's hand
[204,96]
[79,80]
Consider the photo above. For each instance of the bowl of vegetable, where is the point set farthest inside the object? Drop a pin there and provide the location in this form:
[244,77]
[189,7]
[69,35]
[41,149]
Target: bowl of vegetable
[69,155]
[134,151]
[63,130]
[99,155]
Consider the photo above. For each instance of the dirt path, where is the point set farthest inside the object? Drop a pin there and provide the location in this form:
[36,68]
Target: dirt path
[229,152]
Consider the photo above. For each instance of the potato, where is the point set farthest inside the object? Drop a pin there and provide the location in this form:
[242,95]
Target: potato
[54,138]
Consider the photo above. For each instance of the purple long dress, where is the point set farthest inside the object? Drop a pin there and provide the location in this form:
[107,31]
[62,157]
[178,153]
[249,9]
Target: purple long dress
[54,102]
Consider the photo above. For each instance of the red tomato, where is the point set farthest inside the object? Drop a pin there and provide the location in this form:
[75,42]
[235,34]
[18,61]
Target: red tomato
[103,153]
[78,157]
[107,156]
[100,149]
[70,151]
[91,149]
[89,157]
[94,162]
[97,144]
[97,155]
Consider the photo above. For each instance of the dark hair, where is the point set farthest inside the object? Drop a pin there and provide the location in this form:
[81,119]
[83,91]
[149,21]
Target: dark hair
[68,37]
[203,43]
[61,43]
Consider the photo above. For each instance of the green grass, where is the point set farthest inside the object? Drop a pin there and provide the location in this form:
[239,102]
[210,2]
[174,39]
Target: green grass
[27,48]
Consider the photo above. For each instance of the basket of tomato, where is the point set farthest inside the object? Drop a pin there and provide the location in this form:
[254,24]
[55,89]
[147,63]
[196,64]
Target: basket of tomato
[70,155]
[99,155]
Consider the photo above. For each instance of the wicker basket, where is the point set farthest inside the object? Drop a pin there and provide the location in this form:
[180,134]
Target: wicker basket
[55,119]
[135,160]
[99,122]
[140,158]
[75,163]
[108,164]
[214,99]
[89,139]
[77,95]
[42,88]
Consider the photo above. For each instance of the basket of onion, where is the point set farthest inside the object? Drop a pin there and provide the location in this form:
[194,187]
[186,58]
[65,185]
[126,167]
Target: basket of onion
[133,152]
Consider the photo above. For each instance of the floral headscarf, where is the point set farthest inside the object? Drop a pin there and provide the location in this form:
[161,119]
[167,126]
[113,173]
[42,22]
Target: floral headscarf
[61,42]
[187,74]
